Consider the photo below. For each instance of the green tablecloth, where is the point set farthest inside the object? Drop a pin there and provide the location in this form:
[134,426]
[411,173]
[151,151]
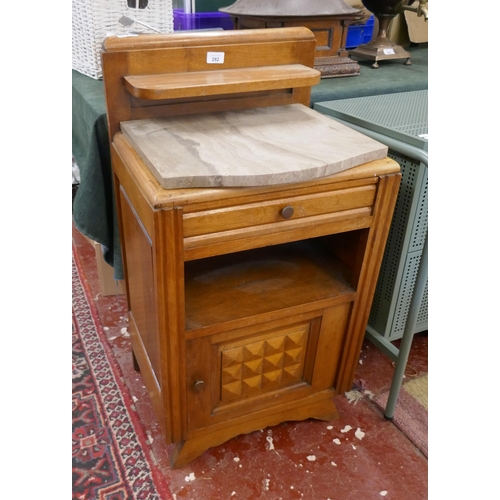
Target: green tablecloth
[390,77]
[94,212]
[94,208]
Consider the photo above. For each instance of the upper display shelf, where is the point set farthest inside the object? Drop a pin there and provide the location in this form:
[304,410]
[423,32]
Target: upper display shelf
[223,81]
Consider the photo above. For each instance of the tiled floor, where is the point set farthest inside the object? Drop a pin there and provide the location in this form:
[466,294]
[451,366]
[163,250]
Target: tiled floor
[294,460]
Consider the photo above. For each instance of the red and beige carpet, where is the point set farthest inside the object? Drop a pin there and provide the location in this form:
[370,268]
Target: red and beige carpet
[411,412]
[110,459]
[119,452]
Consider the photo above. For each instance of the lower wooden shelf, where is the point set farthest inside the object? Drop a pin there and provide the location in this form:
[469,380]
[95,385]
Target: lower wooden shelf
[254,282]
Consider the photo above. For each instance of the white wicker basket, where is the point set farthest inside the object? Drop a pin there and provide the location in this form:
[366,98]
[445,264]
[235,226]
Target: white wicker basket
[94,20]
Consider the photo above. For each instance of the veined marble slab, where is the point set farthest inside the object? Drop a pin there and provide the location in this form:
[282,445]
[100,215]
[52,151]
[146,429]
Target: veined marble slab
[256,147]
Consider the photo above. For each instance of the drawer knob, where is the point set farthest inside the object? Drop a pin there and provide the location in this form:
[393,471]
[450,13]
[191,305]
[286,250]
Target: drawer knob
[287,212]
[199,385]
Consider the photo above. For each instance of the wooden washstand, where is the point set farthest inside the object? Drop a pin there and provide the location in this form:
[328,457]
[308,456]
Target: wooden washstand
[248,289]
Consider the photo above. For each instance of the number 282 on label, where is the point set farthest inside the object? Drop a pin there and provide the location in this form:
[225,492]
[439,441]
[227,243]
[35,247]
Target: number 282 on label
[215,57]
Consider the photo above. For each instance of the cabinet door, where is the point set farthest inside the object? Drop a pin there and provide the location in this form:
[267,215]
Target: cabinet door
[235,373]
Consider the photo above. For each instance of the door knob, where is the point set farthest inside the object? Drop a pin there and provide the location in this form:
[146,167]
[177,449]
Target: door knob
[199,385]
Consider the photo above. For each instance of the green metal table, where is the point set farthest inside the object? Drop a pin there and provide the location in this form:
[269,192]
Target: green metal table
[401,298]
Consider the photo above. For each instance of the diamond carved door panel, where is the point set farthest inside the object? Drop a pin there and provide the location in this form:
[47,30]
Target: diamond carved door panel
[255,367]
[234,373]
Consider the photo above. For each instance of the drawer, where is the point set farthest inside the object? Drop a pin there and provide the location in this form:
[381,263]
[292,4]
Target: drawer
[284,210]
[275,221]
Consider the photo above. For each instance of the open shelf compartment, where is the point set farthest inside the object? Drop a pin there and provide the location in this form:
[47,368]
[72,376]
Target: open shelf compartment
[292,276]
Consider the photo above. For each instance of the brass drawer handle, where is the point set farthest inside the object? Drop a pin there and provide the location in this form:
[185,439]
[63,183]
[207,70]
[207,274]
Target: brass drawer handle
[287,212]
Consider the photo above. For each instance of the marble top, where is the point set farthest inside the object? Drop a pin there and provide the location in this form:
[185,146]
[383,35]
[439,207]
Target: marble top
[255,147]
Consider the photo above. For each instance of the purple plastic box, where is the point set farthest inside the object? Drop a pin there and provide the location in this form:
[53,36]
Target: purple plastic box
[201,20]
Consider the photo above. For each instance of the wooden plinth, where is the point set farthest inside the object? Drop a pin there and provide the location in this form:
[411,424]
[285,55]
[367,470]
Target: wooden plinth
[330,32]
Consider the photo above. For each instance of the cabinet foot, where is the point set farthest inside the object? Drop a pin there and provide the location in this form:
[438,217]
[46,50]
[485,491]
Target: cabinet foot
[202,439]
[136,364]
[185,452]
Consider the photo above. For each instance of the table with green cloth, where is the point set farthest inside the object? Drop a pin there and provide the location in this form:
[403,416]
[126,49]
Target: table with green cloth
[94,211]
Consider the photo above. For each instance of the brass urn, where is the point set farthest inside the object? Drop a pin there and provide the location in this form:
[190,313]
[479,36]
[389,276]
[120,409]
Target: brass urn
[380,47]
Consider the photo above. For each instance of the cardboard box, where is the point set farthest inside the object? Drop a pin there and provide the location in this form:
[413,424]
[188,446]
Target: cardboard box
[109,286]
[418,27]
[408,27]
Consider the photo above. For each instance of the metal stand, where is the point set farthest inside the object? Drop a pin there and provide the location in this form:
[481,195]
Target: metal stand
[381,48]
[407,339]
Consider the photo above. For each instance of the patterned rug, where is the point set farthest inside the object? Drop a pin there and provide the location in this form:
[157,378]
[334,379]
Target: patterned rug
[411,412]
[110,455]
